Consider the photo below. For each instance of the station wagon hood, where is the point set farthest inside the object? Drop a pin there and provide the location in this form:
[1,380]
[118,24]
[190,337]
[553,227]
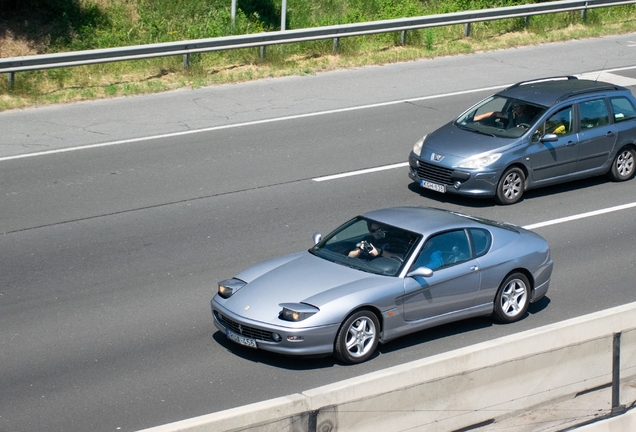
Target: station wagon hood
[451,140]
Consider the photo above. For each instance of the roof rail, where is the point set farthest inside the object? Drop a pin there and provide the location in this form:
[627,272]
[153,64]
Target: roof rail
[559,77]
[605,87]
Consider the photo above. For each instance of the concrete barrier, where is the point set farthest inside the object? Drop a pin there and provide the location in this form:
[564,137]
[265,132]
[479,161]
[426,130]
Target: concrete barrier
[472,386]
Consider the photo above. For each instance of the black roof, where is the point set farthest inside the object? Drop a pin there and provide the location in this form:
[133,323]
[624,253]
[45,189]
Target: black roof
[548,91]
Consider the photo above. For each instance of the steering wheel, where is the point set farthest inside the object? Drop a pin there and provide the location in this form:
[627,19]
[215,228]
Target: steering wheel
[524,125]
[397,258]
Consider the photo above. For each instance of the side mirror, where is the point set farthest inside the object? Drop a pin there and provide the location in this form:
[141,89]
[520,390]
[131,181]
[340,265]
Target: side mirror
[549,138]
[421,271]
[317,237]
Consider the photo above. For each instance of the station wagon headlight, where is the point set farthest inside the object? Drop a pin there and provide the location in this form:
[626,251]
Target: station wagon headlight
[297,311]
[417,148]
[480,161]
[229,287]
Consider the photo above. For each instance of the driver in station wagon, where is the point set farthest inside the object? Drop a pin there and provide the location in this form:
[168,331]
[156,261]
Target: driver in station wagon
[518,117]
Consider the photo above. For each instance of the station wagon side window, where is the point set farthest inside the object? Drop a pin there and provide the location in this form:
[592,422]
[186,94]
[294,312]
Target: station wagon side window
[623,109]
[593,114]
[559,123]
[444,250]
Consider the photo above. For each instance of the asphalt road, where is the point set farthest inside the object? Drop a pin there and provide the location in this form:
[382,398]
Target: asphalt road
[118,217]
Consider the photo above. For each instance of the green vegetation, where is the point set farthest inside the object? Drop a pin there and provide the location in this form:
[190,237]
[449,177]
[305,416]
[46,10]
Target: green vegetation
[30,27]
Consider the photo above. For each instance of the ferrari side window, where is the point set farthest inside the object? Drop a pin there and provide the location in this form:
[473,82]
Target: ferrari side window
[481,241]
[444,250]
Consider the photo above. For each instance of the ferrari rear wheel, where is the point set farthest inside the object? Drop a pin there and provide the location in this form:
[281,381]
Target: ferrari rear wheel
[358,337]
[513,298]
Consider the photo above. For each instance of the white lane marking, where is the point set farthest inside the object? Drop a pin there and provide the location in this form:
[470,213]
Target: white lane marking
[364,171]
[614,79]
[580,216]
[608,77]
[252,123]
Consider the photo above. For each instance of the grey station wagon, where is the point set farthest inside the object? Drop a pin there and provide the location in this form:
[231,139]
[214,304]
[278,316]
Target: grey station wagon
[532,134]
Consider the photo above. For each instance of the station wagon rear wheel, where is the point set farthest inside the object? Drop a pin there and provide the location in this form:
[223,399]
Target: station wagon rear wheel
[623,165]
[513,298]
[358,337]
[511,186]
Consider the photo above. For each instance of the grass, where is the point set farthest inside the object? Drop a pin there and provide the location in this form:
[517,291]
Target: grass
[65,25]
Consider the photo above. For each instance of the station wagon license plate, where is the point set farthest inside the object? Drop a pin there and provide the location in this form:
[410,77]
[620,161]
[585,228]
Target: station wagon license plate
[433,186]
[240,339]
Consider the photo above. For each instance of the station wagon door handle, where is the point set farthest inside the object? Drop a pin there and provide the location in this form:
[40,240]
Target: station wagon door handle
[570,144]
[609,134]
[474,268]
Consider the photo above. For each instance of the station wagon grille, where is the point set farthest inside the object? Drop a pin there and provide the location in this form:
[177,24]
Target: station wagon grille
[435,173]
[247,331]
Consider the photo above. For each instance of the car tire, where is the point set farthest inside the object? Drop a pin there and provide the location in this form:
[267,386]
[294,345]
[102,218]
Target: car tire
[511,186]
[513,298]
[623,165]
[358,337]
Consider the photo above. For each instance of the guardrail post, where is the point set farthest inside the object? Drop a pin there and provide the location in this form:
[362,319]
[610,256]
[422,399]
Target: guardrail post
[584,13]
[617,408]
[186,61]
[262,52]
[11,79]
[403,37]
[466,29]
[527,21]
[336,44]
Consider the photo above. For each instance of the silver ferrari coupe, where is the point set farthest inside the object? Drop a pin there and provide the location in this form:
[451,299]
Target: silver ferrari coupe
[382,275]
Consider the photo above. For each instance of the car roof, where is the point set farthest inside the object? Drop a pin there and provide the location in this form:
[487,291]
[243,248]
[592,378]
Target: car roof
[548,91]
[423,220]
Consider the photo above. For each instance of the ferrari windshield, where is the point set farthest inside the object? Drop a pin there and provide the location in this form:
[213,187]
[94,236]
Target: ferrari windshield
[501,117]
[367,245]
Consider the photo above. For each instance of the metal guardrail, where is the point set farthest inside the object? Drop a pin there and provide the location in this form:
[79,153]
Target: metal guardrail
[11,65]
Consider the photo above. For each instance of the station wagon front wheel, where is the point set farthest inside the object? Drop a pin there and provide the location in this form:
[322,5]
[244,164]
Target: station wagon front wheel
[511,186]
[623,165]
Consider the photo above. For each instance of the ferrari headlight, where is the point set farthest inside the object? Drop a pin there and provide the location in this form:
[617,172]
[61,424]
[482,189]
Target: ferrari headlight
[297,311]
[417,148]
[229,287]
[480,161]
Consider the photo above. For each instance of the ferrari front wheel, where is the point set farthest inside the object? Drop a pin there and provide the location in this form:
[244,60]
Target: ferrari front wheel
[358,337]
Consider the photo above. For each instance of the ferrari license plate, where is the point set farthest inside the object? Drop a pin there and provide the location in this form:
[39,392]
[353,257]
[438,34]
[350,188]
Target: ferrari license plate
[433,186]
[240,339]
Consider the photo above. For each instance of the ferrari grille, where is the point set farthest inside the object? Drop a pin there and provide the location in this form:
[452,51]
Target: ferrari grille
[247,331]
[435,173]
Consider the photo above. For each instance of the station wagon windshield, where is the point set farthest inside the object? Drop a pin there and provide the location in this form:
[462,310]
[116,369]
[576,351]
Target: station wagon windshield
[501,117]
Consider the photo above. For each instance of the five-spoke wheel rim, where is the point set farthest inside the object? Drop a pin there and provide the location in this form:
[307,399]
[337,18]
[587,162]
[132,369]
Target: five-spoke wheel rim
[625,163]
[360,337]
[511,185]
[514,298]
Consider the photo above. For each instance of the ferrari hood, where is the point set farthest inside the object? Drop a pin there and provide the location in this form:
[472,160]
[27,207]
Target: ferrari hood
[293,279]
